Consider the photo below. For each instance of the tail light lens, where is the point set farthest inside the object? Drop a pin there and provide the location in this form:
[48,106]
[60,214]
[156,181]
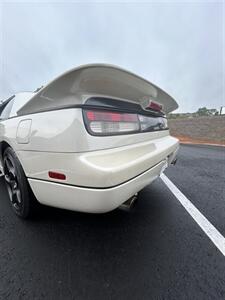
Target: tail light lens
[152,124]
[115,123]
[109,123]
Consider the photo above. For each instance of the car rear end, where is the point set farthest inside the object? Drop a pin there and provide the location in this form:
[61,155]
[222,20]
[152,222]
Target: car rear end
[116,140]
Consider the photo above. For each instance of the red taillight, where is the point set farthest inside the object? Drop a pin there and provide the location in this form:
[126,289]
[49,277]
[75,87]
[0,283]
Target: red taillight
[57,175]
[90,115]
[99,122]
[111,116]
[109,123]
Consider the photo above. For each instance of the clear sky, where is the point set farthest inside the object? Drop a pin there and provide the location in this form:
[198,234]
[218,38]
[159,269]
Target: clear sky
[177,45]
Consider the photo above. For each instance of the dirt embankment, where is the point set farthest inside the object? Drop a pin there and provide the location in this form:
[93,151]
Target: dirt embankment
[200,130]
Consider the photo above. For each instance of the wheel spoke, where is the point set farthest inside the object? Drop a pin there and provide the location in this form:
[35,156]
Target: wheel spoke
[10,167]
[18,195]
[13,192]
[7,179]
[8,164]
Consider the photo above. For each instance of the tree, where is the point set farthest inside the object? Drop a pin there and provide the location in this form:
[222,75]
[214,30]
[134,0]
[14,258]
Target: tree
[203,111]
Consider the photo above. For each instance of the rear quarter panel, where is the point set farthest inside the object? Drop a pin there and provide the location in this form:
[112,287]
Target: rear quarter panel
[64,131]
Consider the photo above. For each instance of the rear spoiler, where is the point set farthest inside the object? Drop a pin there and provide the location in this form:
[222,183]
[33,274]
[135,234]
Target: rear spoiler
[75,86]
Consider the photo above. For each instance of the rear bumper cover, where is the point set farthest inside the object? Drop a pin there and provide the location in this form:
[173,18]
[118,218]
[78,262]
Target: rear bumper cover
[92,200]
[102,168]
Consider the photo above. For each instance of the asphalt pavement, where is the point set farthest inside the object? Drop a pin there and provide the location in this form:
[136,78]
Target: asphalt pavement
[155,251]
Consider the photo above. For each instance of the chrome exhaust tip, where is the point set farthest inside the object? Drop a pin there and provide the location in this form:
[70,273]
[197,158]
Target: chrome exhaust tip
[174,161]
[127,205]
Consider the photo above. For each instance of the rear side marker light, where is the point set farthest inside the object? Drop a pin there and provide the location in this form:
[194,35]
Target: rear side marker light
[57,175]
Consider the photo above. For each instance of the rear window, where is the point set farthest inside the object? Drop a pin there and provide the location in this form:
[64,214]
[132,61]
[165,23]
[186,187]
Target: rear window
[20,100]
[5,110]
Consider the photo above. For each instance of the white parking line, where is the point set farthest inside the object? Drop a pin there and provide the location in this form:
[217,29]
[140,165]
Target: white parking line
[214,235]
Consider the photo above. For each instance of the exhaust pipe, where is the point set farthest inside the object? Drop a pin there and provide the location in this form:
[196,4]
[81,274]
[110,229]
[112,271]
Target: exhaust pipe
[174,161]
[127,205]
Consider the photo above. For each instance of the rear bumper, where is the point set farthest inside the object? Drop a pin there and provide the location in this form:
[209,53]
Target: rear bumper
[102,168]
[92,200]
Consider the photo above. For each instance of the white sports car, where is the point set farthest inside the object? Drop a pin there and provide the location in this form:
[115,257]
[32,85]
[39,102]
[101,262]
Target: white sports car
[88,141]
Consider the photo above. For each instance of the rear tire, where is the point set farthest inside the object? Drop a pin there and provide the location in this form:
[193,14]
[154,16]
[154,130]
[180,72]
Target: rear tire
[21,196]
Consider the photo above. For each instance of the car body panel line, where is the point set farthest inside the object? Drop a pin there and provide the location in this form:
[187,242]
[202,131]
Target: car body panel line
[92,187]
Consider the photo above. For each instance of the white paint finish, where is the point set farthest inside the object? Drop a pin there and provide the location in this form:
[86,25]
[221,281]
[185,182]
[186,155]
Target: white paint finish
[50,131]
[97,79]
[91,200]
[102,168]
[214,235]
[64,131]
[24,131]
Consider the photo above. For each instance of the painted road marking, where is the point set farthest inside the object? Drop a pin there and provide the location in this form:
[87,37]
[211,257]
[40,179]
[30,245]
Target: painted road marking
[214,235]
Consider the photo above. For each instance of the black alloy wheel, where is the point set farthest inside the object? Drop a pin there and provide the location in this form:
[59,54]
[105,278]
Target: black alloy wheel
[20,195]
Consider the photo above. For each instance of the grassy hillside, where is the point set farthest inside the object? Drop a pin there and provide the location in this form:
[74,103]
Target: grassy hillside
[199,129]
